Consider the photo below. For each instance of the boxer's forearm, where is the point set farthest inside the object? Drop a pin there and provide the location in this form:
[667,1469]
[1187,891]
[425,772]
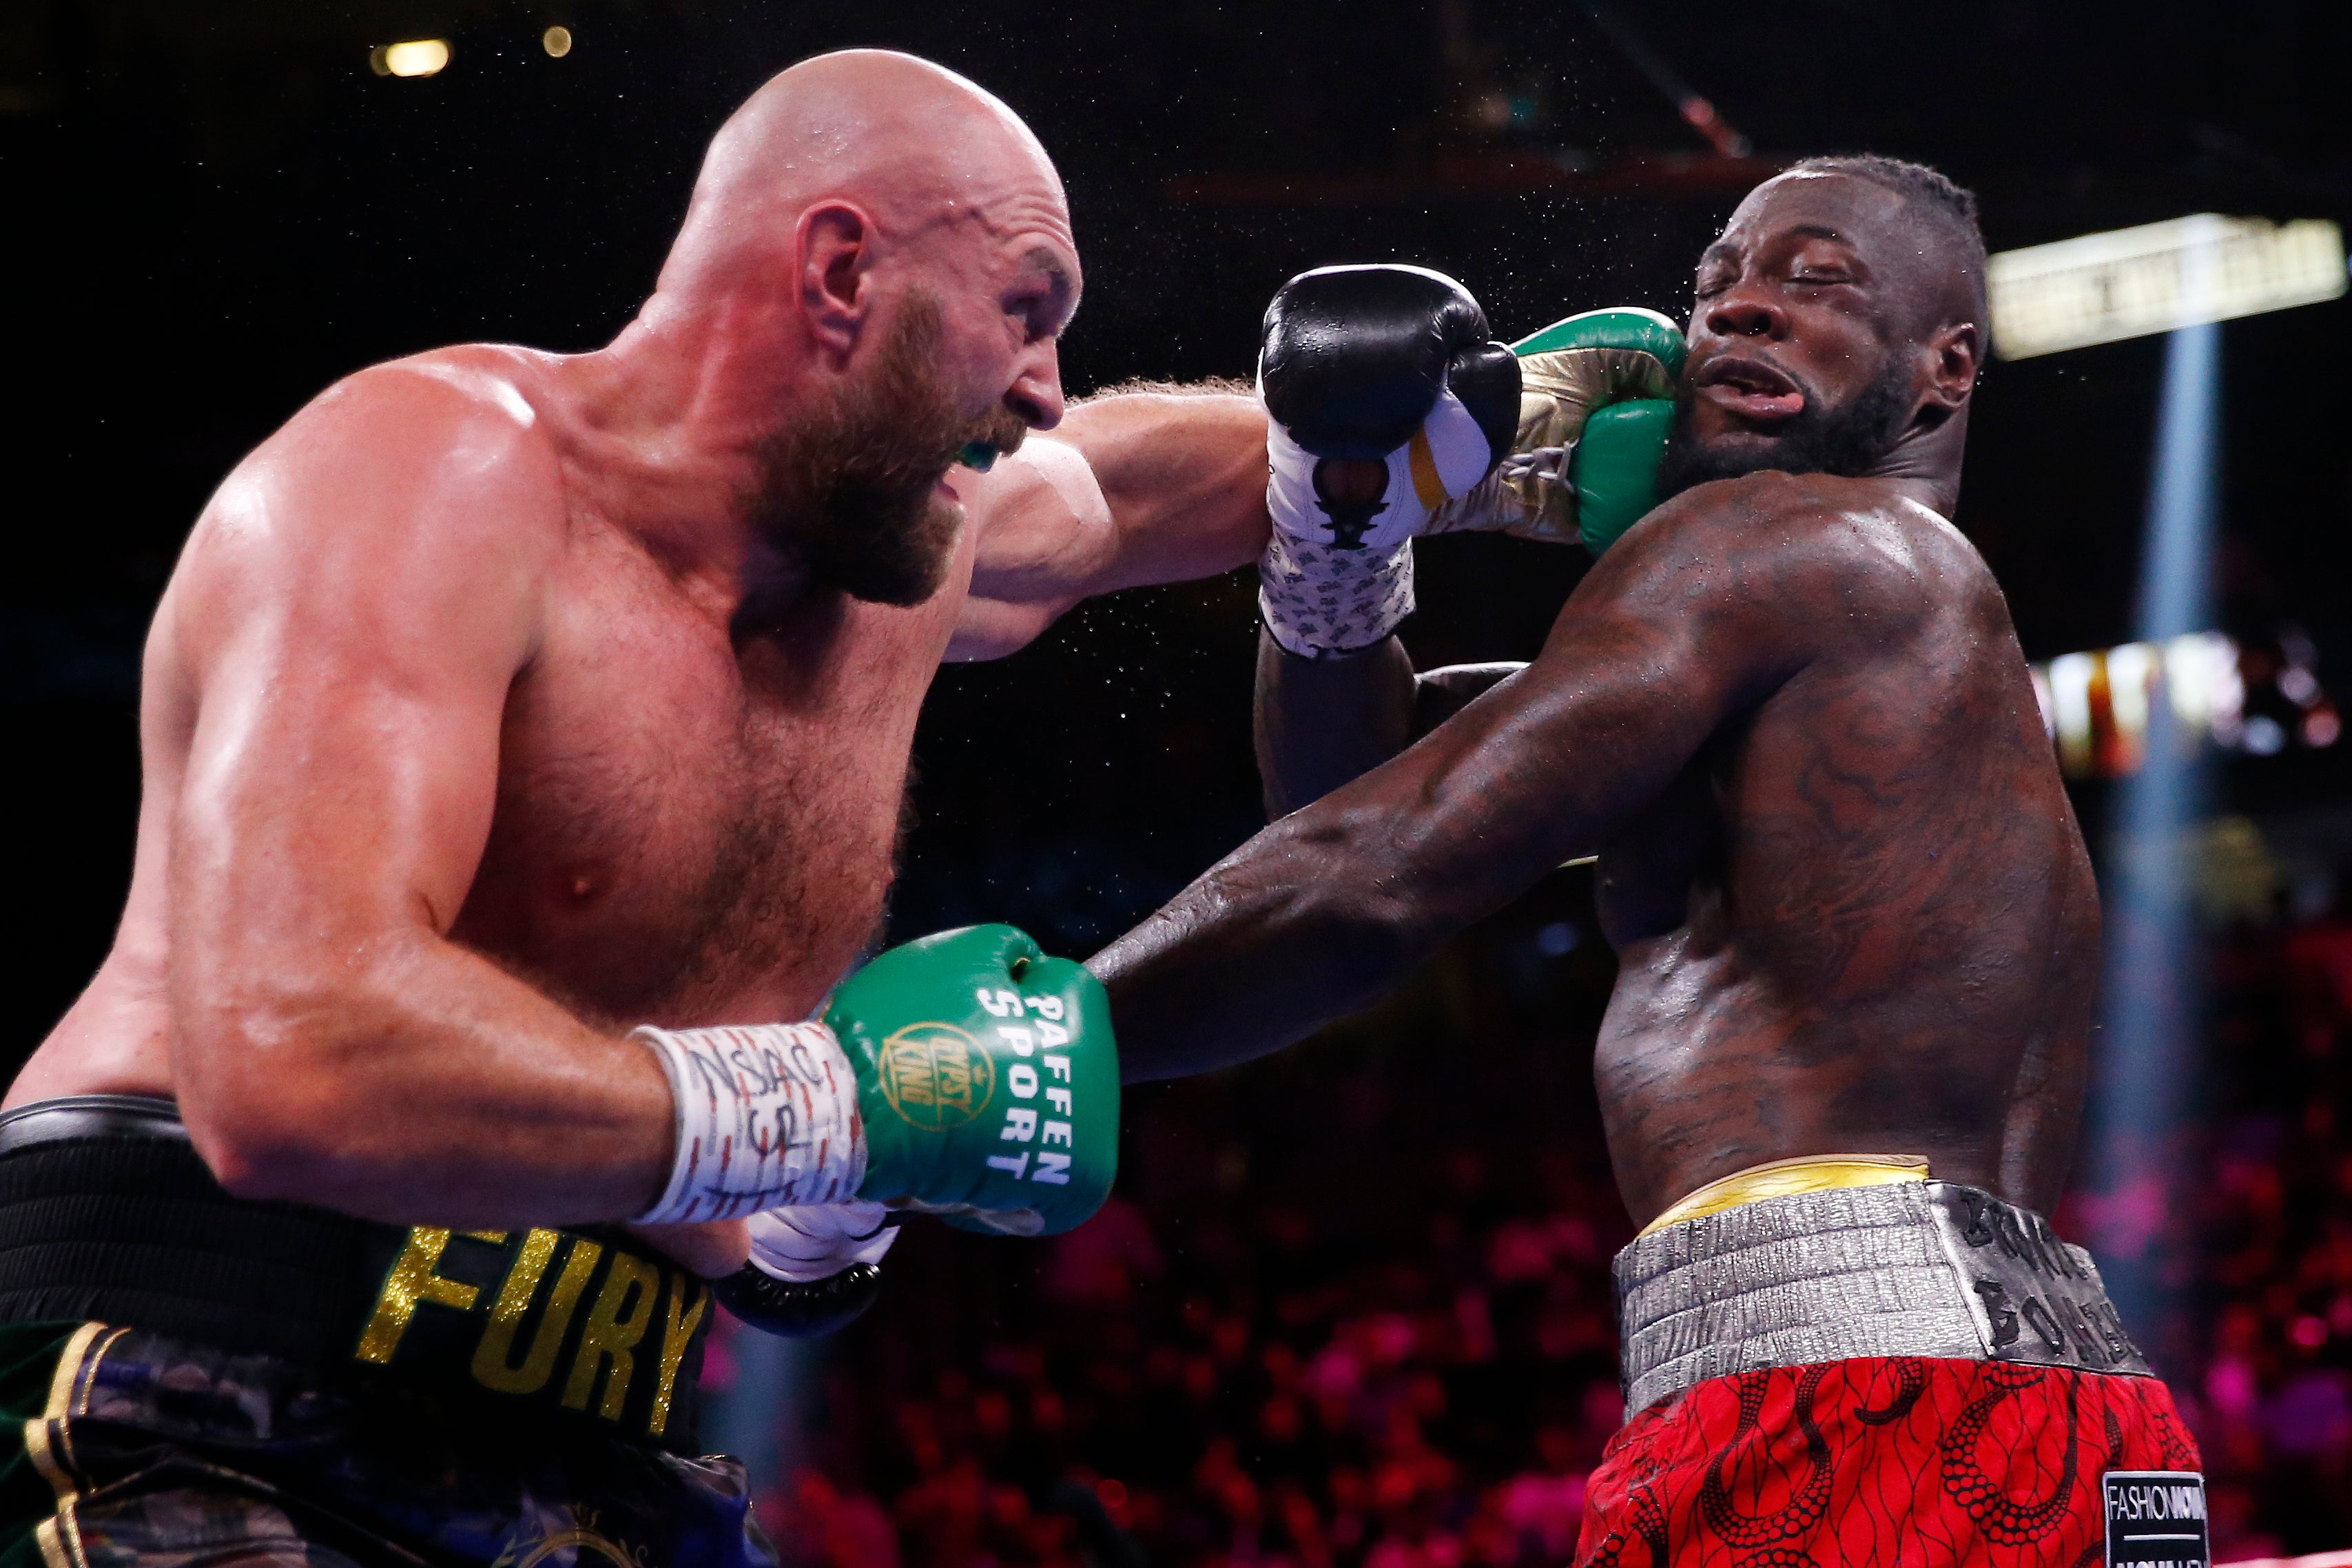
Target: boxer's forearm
[1260,952]
[420,1085]
[1319,723]
[1183,473]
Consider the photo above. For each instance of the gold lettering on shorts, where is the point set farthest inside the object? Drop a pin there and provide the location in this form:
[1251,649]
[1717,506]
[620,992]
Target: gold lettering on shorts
[679,1324]
[412,1280]
[631,1288]
[491,1366]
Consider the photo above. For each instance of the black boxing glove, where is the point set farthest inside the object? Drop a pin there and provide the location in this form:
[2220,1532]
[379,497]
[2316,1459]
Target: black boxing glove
[1385,397]
[812,1270]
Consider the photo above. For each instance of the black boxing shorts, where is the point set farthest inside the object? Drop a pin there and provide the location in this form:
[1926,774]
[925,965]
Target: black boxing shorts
[185,1374]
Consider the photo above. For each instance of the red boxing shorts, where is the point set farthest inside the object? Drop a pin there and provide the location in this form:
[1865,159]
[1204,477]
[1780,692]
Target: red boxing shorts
[1900,1460]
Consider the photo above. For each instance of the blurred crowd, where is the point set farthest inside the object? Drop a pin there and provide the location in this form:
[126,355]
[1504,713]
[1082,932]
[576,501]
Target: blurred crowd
[2248,1226]
[1352,1305]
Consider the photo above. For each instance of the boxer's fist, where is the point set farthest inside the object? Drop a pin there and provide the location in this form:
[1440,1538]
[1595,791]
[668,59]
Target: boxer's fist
[1596,405]
[1384,397]
[966,1075]
[987,1080]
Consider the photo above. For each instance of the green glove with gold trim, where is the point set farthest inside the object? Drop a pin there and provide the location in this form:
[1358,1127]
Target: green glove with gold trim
[987,1081]
[1596,405]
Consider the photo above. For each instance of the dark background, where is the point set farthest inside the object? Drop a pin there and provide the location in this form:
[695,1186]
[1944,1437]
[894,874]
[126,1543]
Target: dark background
[208,212]
[211,212]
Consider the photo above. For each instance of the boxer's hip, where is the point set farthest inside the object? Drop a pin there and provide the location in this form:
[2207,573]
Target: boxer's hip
[1930,1461]
[1847,1360]
[138,1450]
[212,1364]
[1854,1256]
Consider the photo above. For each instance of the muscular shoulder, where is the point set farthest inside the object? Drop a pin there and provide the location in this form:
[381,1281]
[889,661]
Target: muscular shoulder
[426,481]
[1837,555]
[443,441]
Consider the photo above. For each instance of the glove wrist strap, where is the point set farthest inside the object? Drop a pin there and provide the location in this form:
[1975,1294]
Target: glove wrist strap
[767,1115]
[1319,599]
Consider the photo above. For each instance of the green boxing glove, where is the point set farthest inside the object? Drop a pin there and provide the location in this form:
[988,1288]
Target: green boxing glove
[987,1078]
[1596,405]
[965,1075]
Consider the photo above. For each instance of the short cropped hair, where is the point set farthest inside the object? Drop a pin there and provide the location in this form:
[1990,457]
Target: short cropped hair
[1948,208]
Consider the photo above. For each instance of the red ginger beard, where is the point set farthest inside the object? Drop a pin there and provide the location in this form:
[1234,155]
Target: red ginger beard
[850,488]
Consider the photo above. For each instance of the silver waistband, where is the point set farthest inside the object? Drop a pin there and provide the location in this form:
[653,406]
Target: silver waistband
[1918,1269]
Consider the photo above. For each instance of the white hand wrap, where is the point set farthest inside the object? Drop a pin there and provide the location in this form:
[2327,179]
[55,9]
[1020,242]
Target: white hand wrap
[1319,599]
[767,1115]
[816,1241]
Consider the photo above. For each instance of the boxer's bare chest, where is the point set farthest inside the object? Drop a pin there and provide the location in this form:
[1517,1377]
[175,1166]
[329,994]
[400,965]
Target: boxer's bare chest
[692,827]
[1861,918]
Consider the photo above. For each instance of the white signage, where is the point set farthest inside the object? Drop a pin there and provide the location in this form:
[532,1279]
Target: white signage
[2101,288]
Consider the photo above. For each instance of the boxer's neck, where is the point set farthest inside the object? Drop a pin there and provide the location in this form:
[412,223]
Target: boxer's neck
[1925,465]
[670,417]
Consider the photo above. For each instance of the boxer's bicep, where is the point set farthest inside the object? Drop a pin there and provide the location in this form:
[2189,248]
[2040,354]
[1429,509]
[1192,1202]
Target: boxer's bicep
[1140,487]
[352,612]
[1661,646]
[1527,775]
[1042,533]
[1439,694]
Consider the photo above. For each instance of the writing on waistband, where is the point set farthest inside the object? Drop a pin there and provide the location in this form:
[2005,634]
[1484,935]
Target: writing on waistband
[626,1350]
[2036,1299]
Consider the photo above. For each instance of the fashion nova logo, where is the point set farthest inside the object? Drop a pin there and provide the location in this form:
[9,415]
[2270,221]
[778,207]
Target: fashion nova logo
[2158,1500]
[2155,1518]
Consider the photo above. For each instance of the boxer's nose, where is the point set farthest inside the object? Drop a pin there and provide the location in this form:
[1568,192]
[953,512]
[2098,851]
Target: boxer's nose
[1036,395]
[1743,313]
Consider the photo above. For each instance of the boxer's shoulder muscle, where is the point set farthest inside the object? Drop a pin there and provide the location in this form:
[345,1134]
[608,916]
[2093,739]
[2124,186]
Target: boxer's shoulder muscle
[1816,558]
[417,478]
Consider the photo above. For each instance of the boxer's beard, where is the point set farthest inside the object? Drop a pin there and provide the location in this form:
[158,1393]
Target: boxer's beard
[850,490]
[1846,439]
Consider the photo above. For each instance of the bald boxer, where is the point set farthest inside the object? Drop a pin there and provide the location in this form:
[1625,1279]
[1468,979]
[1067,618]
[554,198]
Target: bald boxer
[1843,1065]
[524,737]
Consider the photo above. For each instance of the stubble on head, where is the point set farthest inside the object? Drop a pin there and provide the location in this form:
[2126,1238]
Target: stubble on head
[848,491]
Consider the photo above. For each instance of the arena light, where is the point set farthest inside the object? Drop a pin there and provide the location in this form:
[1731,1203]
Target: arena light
[2157,277]
[2144,1063]
[414,56]
[2258,700]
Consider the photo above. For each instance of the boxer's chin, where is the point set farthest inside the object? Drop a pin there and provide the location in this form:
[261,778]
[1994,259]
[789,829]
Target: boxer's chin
[1691,458]
[1848,438]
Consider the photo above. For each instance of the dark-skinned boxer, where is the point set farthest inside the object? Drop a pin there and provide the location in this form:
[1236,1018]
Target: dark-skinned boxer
[1842,1069]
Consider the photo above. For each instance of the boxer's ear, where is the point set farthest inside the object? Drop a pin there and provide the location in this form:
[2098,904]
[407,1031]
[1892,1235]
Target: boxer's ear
[1956,354]
[834,254]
